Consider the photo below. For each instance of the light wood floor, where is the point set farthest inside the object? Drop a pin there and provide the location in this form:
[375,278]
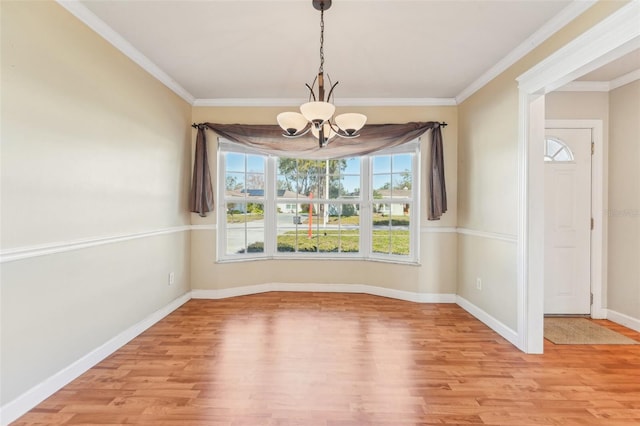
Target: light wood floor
[344,359]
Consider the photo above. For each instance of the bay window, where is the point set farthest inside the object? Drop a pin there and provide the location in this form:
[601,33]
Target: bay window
[356,208]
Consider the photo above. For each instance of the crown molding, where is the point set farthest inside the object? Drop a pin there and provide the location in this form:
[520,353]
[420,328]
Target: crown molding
[592,49]
[78,10]
[600,86]
[585,86]
[625,79]
[343,102]
[566,15]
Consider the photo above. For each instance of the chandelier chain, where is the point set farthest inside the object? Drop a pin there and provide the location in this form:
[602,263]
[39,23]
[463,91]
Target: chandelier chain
[321,38]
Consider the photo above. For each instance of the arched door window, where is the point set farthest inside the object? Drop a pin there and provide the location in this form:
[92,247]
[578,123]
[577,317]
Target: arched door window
[556,150]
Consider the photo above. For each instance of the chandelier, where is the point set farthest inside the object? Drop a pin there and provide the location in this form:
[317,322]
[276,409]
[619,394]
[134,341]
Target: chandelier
[317,114]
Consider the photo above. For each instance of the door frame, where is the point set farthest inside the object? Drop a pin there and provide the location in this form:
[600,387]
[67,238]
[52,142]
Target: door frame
[599,202]
[610,39]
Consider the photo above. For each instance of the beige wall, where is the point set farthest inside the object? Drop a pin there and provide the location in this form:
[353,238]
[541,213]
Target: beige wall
[487,175]
[624,201]
[578,106]
[92,147]
[437,272]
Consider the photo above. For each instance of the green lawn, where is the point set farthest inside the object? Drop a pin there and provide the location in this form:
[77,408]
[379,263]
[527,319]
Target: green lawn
[394,242]
[378,220]
[244,218]
[326,242]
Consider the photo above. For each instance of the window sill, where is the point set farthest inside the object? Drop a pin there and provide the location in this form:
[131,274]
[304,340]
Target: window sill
[323,259]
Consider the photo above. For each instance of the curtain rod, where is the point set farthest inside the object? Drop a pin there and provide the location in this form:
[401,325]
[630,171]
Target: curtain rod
[196,126]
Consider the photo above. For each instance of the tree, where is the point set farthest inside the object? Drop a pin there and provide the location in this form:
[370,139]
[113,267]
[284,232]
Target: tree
[231,183]
[305,176]
[405,180]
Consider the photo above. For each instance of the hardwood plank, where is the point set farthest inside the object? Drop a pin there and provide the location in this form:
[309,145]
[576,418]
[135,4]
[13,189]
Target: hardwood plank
[344,359]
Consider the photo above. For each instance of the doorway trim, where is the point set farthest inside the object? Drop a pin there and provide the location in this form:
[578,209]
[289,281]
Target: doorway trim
[608,40]
[599,203]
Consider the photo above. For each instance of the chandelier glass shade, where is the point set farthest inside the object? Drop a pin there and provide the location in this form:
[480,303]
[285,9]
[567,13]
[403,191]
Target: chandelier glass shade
[317,114]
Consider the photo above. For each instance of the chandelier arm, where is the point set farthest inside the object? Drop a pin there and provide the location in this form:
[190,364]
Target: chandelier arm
[333,127]
[311,91]
[339,132]
[297,135]
[345,136]
[331,90]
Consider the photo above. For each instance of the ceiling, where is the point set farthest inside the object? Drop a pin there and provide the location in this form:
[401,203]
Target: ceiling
[377,49]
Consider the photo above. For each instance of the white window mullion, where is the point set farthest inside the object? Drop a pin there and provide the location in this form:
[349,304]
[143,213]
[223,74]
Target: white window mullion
[366,206]
[415,207]
[221,217]
[270,208]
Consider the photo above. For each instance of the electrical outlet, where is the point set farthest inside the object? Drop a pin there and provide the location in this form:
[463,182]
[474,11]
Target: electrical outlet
[478,283]
[172,278]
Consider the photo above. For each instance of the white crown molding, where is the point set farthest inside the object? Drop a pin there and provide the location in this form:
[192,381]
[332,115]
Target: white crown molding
[77,9]
[568,14]
[509,238]
[402,102]
[585,86]
[324,288]
[625,79]
[242,102]
[25,402]
[600,86]
[20,253]
[592,49]
[496,325]
[342,102]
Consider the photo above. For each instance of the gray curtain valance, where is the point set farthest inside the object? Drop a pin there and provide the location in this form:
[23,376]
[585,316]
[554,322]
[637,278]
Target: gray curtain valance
[268,139]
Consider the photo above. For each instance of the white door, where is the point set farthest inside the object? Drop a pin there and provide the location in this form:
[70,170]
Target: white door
[567,248]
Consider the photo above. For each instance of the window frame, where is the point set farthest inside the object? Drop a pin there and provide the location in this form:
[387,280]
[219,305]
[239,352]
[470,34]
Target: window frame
[365,200]
[413,148]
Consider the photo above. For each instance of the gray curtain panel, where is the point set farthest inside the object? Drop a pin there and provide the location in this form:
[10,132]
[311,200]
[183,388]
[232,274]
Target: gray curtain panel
[437,187]
[268,139]
[201,197]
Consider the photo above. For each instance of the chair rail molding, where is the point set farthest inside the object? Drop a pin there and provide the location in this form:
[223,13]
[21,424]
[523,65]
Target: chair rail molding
[20,253]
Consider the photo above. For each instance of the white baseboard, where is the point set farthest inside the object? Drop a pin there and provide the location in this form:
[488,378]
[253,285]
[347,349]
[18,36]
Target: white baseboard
[510,335]
[622,319]
[25,402]
[324,288]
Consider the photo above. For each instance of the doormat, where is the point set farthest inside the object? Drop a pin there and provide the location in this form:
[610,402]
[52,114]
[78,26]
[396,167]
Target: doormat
[581,331]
